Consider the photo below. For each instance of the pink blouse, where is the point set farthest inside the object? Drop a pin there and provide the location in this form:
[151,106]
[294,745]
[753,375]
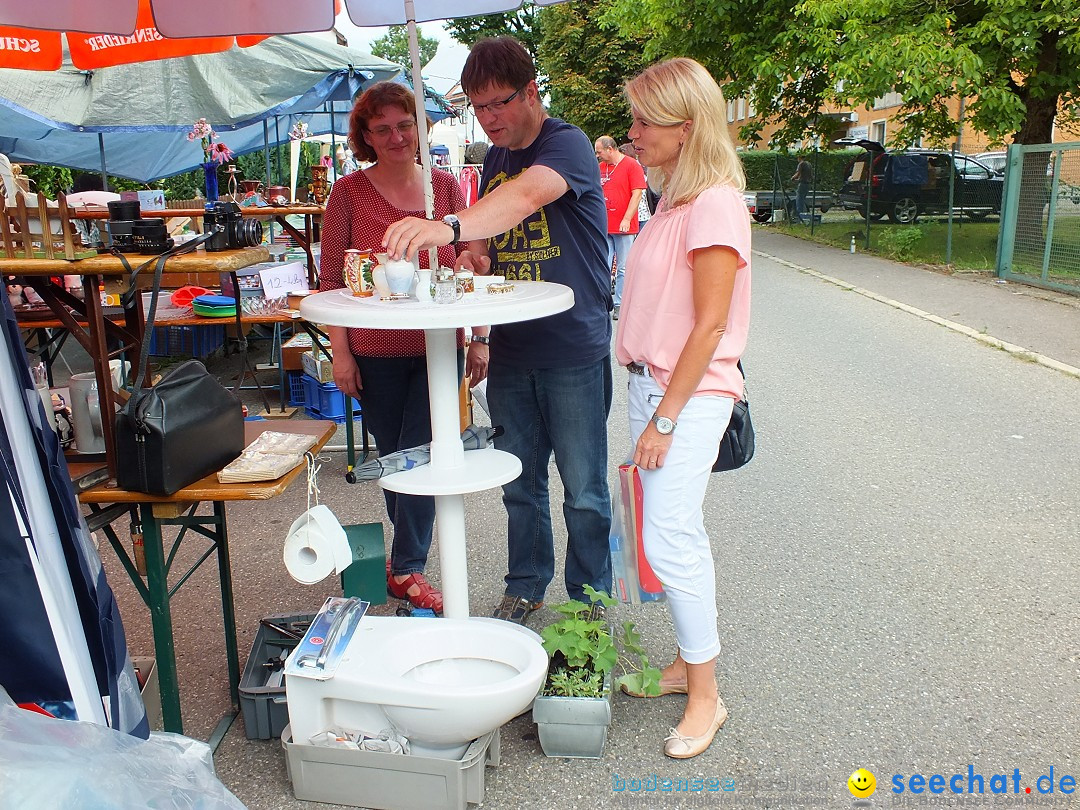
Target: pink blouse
[657,310]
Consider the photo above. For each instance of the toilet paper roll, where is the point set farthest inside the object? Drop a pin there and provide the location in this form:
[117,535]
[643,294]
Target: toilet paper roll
[316,546]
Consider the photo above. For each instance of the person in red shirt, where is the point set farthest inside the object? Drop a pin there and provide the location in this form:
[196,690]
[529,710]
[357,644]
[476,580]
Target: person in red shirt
[387,368]
[623,182]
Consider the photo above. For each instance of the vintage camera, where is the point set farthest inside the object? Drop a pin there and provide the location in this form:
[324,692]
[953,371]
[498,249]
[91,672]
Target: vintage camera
[228,228]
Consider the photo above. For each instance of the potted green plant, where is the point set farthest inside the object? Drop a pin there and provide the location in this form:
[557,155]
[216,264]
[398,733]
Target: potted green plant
[573,711]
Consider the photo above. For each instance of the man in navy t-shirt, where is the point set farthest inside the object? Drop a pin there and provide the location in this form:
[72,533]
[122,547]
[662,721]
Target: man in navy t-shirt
[541,217]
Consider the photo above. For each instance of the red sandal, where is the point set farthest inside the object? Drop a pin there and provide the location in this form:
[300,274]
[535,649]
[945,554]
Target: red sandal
[426,597]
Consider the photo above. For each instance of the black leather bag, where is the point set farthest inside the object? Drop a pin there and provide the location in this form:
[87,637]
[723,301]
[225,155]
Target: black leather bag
[737,442]
[178,431]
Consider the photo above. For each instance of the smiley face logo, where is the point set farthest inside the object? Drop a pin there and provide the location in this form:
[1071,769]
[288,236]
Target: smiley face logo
[862,784]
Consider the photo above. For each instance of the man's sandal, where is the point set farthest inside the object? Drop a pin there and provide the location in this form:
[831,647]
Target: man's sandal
[423,595]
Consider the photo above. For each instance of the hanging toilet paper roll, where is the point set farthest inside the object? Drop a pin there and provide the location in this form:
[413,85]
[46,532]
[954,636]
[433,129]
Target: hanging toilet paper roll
[316,546]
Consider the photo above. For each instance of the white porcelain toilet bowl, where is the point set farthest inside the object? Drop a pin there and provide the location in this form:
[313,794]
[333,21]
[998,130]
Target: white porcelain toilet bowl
[440,682]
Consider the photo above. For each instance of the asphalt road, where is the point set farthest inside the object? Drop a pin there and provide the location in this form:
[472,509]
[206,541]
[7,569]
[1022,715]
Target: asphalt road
[897,572]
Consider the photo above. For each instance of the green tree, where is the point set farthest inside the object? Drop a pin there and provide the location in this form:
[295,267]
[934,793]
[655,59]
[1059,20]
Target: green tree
[394,46]
[586,61]
[520,24]
[1018,62]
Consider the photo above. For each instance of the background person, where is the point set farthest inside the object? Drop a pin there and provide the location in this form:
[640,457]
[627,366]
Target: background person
[683,330]
[549,384]
[803,176]
[623,182]
[387,369]
[644,212]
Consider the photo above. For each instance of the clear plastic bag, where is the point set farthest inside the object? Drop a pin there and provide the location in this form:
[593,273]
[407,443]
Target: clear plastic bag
[47,763]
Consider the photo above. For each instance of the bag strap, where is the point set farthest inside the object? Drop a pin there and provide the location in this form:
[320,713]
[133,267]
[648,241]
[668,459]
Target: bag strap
[159,268]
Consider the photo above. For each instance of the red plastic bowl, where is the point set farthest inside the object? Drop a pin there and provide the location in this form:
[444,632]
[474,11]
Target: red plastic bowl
[185,295]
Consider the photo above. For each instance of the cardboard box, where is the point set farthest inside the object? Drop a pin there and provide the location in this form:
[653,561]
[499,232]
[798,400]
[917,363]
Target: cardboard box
[151,694]
[321,369]
[294,348]
[149,199]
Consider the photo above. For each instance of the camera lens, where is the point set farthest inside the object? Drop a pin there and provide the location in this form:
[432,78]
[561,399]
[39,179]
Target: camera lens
[149,236]
[248,233]
[124,209]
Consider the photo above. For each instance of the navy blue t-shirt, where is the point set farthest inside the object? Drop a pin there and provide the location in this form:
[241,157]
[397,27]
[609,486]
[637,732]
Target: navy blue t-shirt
[564,242]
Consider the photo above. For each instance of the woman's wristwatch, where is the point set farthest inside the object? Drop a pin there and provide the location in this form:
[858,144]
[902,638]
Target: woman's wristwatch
[480,339]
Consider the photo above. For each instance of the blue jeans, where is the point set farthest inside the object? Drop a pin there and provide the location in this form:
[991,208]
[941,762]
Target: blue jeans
[397,414]
[618,247]
[801,192]
[562,411]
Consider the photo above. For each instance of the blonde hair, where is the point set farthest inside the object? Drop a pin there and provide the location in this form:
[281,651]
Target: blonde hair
[678,90]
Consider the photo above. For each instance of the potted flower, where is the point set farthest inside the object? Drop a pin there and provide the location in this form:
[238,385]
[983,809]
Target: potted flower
[573,711]
[214,155]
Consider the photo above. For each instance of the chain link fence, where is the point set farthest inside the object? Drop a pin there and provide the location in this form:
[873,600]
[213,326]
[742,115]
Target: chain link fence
[1040,234]
[904,204]
[1015,213]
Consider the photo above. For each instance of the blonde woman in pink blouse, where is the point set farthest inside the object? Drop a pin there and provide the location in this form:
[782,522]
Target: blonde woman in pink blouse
[683,327]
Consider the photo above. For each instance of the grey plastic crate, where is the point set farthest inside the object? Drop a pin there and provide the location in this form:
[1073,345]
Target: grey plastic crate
[382,781]
[265,711]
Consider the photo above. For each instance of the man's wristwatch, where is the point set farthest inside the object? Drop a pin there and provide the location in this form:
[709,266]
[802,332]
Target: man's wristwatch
[480,339]
[454,223]
[664,426]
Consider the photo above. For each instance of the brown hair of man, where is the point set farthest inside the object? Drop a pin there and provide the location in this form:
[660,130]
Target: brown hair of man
[369,105]
[497,61]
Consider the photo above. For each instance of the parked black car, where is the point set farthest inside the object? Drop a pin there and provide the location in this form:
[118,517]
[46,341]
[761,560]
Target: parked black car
[907,183]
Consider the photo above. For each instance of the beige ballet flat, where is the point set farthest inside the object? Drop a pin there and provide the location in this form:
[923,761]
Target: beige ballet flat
[677,746]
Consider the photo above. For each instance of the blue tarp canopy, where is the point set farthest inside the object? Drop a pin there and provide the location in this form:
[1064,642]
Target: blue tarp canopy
[140,113]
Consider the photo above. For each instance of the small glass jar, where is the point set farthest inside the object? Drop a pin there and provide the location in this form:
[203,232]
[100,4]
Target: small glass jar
[447,290]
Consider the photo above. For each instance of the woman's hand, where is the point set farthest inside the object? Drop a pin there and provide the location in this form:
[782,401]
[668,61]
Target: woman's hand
[347,374]
[479,263]
[652,448]
[476,363]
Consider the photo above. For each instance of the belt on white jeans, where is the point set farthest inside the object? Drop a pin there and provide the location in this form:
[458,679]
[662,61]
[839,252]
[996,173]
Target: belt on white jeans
[638,368]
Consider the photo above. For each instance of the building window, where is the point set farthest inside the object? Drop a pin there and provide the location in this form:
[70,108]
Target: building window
[888,100]
[750,111]
[741,107]
[731,112]
[877,131]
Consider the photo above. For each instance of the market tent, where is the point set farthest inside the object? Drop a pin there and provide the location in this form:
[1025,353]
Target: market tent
[139,114]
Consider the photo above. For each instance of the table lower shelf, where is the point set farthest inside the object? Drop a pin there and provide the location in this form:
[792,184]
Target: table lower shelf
[483,469]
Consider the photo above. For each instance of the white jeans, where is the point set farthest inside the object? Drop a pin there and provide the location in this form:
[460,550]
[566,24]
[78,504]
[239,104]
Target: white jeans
[674,528]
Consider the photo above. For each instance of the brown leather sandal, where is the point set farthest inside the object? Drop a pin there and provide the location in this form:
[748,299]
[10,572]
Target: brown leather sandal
[424,596]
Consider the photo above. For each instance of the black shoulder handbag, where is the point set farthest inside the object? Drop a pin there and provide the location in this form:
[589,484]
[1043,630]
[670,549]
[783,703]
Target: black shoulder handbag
[737,442]
[180,430]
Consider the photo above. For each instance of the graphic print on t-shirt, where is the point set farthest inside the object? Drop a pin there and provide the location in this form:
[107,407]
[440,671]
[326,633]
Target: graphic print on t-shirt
[519,253]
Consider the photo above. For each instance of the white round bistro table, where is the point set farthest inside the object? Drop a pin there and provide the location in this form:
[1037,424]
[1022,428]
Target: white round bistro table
[452,472]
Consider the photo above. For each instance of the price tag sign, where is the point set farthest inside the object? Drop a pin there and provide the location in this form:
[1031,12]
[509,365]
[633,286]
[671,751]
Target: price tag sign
[277,282]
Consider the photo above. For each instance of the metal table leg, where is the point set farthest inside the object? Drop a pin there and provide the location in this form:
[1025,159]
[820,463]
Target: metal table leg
[157,576]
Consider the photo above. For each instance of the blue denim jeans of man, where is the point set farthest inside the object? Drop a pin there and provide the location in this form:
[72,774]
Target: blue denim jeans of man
[802,190]
[562,411]
[618,247]
[398,416]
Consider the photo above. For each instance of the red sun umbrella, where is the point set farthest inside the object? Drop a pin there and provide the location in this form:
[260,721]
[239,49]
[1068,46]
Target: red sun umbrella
[102,33]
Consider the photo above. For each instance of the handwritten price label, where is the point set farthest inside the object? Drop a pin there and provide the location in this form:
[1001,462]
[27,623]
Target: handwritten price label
[277,282]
